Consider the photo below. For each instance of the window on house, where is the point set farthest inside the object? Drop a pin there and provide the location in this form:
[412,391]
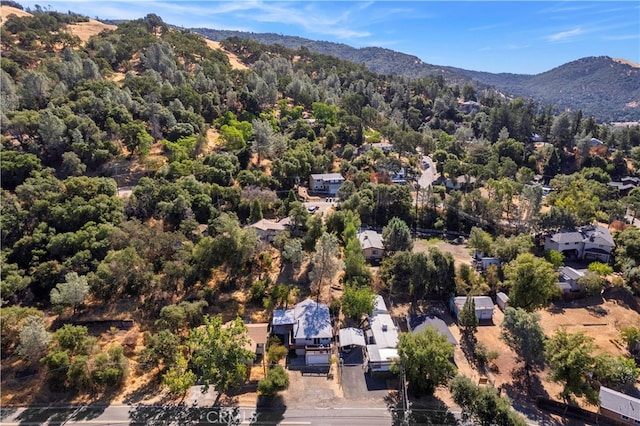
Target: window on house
[316,341]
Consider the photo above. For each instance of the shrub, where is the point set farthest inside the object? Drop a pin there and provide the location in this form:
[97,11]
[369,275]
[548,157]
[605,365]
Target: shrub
[276,380]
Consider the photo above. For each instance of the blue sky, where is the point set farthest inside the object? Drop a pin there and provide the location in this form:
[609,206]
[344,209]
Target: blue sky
[501,36]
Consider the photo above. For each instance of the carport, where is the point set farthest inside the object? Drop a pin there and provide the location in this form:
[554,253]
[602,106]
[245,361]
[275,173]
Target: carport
[351,337]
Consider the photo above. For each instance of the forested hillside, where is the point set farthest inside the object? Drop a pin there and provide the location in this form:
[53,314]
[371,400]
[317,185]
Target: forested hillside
[605,88]
[133,163]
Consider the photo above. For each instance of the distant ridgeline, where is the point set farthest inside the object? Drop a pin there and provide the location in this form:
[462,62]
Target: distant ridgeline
[602,87]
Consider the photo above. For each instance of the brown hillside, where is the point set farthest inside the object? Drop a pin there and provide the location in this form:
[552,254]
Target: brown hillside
[5,11]
[84,30]
[233,59]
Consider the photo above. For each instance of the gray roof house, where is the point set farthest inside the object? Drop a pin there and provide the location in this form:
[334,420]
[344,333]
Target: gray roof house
[623,409]
[587,243]
[268,229]
[372,245]
[381,336]
[417,323]
[326,183]
[306,328]
[484,306]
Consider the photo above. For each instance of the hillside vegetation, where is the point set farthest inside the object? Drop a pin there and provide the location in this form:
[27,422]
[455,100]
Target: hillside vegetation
[602,87]
[134,164]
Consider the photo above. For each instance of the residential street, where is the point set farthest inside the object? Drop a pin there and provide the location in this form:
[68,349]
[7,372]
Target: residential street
[183,415]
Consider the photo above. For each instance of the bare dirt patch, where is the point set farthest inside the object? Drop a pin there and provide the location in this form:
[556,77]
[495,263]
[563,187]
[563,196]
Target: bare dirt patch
[460,252]
[5,11]
[598,317]
[233,59]
[84,30]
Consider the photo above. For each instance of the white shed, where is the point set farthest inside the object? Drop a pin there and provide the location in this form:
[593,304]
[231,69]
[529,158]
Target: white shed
[502,300]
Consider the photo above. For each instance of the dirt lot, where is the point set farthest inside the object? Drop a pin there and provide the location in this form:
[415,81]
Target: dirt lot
[598,317]
[460,252]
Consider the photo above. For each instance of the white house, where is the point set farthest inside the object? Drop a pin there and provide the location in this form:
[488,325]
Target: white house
[586,243]
[484,306]
[307,329]
[326,183]
[372,245]
[502,300]
[381,336]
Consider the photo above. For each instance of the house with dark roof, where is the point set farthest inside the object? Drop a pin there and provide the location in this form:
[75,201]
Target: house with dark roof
[326,183]
[307,329]
[372,245]
[586,243]
[625,185]
[416,323]
[617,406]
[484,306]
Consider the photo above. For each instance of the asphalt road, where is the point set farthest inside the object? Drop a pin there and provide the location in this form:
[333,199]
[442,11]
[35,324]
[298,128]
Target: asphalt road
[181,415]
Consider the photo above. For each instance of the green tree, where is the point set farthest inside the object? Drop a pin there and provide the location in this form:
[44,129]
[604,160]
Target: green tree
[218,353]
[34,339]
[110,368]
[74,339]
[357,301]
[521,331]
[571,358]
[276,353]
[292,252]
[616,371]
[532,282]
[325,261]
[591,283]
[12,319]
[425,359]
[600,268]
[483,405]
[554,257]
[135,138]
[631,336]
[255,213]
[160,349]
[178,379]
[397,236]
[276,380]
[480,240]
[468,320]
[72,292]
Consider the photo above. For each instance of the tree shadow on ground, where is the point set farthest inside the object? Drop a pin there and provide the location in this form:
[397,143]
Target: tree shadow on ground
[523,391]
[61,415]
[181,414]
[422,411]
[622,297]
[269,410]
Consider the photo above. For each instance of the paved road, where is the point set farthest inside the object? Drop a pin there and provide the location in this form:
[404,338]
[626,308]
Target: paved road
[181,415]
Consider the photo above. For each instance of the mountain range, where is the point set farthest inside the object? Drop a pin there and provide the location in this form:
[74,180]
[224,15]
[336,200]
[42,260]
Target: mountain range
[605,88]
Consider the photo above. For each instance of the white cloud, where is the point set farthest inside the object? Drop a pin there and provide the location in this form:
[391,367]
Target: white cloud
[564,35]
